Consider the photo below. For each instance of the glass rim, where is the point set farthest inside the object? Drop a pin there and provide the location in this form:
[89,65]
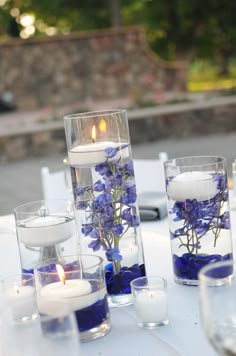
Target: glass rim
[7,279]
[148,285]
[51,260]
[15,210]
[97,113]
[170,162]
[203,271]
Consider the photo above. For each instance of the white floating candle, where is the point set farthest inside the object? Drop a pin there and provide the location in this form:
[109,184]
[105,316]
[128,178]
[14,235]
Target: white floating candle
[94,153]
[21,300]
[45,231]
[151,306]
[192,185]
[77,292]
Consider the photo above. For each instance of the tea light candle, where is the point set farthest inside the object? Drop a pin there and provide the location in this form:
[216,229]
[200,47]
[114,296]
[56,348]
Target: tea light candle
[21,300]
[45,231]
[192,185]
[94,153]
[151,306]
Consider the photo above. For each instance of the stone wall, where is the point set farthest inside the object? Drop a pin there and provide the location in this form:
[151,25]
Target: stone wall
[146,125]
[89,66]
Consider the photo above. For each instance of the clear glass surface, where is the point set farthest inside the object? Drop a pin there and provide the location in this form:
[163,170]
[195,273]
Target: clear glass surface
[218,305]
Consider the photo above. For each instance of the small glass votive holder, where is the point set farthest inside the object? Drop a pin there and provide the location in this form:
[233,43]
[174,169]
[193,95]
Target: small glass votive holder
[150,301]
[79,281]
[19,297]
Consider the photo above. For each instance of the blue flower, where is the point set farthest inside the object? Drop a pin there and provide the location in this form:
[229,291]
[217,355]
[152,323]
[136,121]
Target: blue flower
[113,254]
[111,152]
[103,169]
[117,229]
[86,229]
[80,191]
[200,217]
[82,205]
[129,168]
[95,245]
[110,207]
[94,234]
[98,186]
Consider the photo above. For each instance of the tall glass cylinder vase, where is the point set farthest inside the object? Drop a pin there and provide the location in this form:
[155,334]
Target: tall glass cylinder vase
[99,154]
[199,218]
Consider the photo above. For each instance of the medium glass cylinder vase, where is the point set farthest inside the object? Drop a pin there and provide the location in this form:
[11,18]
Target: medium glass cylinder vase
[199,218]
[45,229]
[104,189]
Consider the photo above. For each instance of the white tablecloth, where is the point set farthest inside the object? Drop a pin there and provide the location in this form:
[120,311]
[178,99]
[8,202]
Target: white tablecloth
[183,336]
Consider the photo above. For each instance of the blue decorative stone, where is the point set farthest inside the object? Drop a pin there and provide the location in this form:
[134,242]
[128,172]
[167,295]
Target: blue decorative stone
[188,265]
[119,283]
[92,316]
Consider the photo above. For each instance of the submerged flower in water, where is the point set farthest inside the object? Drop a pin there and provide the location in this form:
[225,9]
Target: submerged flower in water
[201,217]
[110,205]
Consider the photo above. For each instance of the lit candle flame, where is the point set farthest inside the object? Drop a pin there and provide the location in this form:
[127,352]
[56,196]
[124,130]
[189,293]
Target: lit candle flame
[102,125]
[93,133]
[151,295]
[61,273]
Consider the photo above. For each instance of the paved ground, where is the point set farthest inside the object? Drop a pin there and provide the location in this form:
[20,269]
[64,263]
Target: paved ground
[20,181]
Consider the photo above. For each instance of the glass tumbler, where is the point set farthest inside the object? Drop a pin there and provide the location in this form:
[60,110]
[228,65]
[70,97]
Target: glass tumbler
[150,301]
[199,217]
[19,297]
[218,305]
[79,281]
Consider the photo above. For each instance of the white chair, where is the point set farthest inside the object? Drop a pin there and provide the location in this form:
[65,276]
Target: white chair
[149,174]
[55,185]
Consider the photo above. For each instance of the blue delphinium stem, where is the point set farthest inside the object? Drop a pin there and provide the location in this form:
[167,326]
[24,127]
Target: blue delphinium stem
[111,206]
[201,217]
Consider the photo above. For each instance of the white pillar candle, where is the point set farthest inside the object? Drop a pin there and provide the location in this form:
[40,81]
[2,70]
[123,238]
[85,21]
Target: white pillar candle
[94,153]
[77,292]
[21,300]
[45,231]
[192,185]
[151,306]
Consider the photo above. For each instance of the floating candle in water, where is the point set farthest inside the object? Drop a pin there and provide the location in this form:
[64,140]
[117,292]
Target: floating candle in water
[78,292]
[45,230]
[94,153]
[192,185]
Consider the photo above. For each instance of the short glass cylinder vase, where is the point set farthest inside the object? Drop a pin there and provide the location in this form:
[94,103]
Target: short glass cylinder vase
[80,282]
[199,218]
[45,229]
[99,154]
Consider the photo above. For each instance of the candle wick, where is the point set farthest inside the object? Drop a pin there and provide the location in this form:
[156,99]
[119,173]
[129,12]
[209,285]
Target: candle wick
[17,291]
[93,140]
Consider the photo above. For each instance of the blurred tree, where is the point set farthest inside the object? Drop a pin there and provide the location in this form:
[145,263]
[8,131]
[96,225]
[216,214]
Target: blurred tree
[175,28]
[115,13]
